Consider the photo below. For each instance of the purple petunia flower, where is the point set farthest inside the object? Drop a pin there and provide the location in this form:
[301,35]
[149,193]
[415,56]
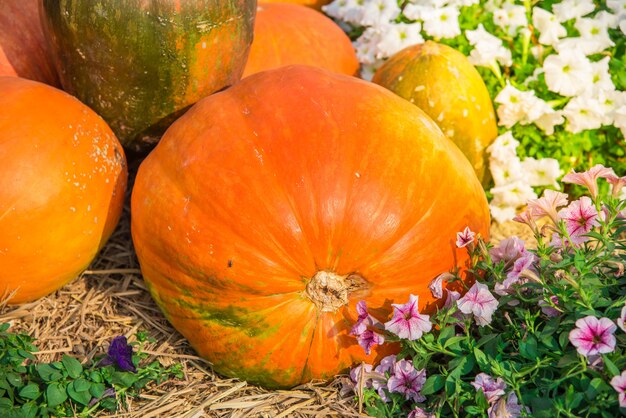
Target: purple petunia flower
[493,389]
[622,319]
[407,381]
[436,286]
[363,321]
[506,408]
[407,322]
[548,307]
[509,250]
[420,413]
[120,353]
[368,338]
[593,336]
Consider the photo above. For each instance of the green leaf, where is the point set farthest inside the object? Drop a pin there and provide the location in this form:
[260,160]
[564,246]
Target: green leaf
[82,385]
[446,333]
[481,359]
[528,348]
[30,391]
[14,379]
[73,366]
[55,394]
[97,389]
[453,340]
[596,386]
[28,410]
[124,379]
[109,404]
[433,384]
[80,396]
[610,366]
[48,373]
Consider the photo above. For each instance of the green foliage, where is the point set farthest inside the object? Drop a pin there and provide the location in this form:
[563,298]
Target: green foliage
[67,388]
[526,345]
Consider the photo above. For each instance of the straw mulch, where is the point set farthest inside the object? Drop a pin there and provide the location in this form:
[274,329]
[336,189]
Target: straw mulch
[110,299]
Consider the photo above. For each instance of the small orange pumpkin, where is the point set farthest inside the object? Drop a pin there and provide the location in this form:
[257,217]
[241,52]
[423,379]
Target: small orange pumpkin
[271,208]
[62,182]
[24,51]
[287,34]
[444,84]
[313,4]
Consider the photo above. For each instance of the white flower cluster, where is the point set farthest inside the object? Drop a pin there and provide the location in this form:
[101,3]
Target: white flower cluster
[383,36]
[588,97]
[514,178]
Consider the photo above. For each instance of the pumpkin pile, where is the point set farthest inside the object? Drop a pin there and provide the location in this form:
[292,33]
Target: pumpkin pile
[264,213]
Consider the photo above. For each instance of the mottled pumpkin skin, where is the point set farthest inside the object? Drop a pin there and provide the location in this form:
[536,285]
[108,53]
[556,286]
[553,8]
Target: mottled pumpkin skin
[290,172]
[287,34]
[442,82]
[139,64]
[62,181]
[24,51]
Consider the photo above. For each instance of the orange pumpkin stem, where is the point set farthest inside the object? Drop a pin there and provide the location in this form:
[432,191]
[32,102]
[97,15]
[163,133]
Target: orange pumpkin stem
[329,290]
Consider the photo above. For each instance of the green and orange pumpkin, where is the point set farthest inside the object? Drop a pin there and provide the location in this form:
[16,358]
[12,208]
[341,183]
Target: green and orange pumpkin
[270,209]
[444,84]
[286,34]
[140,64]
[62,182]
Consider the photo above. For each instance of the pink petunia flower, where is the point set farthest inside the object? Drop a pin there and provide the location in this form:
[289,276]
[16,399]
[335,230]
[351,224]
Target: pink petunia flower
[508,407]
[420,413]
[593,336]
[385,366]
[407,380]
[436,286]
[619,384]
[493,389]
[480,302]
[368,338]
[621,321]
[525,262]
[508,250]
[527,217]
[407,322]
[580,218]
[590,178]
[363,321]
[547,204]
[617,183]
[465,237]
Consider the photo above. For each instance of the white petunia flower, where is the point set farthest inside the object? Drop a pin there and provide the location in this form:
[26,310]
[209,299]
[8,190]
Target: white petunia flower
[619,118]
[617,6]
[416,11]
[505,172]
[550,30]
[366,46]
[487,48]
[397,36]
[442,22]
[582,113]
[502,213]
[622,25]
[349,11]
[378,12]
[593,30]
[587,46]
[514,105]
[572,9]
[462,3]
[542,172]
[504,147]
[601,77]
[510,17]
[607,19]
[568,73]
[549,120]
[514,194]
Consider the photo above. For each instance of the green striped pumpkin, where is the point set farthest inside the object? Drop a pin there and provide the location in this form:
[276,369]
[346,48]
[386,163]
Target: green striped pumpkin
[141,63]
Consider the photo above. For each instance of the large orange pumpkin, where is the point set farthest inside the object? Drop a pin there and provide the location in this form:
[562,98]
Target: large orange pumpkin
[271,208]
[24,51]
[62,181]
[442,82]
[287,34]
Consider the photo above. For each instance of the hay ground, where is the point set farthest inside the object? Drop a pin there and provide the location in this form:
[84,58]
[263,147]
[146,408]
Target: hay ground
[110,299]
